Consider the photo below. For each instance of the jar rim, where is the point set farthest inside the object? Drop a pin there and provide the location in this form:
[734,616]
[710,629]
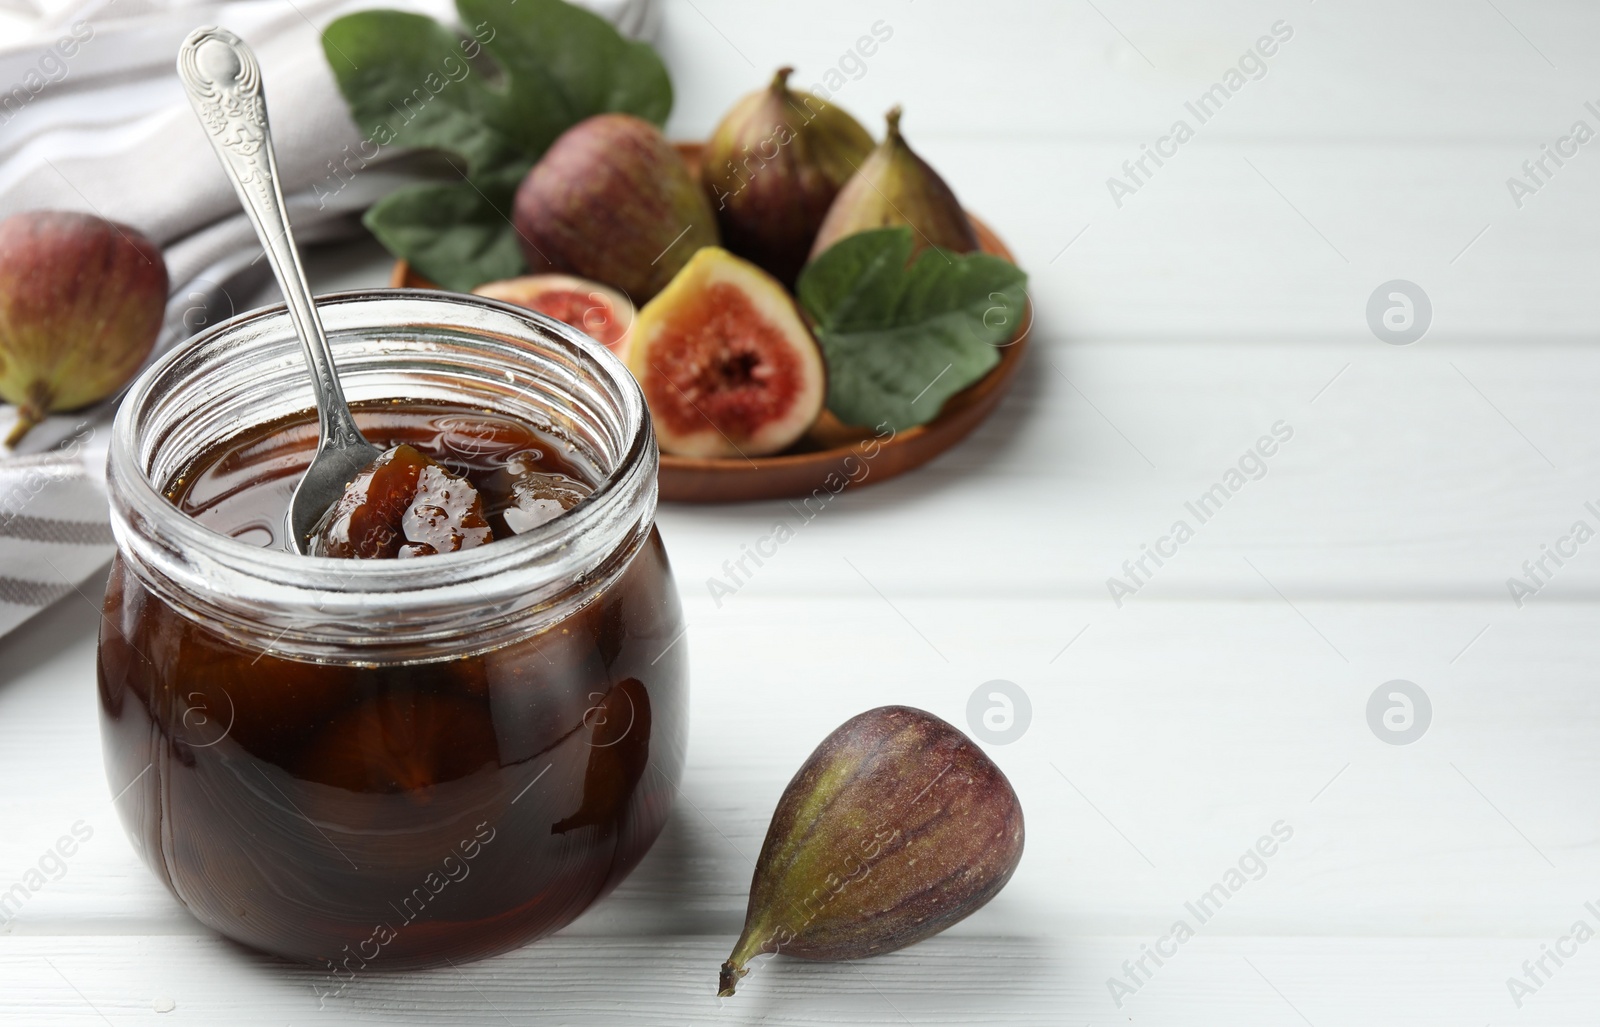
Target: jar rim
[170,544]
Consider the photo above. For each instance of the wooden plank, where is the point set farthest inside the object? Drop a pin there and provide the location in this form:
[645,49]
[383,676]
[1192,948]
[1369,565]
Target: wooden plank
[1037,980]
[1362,70]
[1162,744]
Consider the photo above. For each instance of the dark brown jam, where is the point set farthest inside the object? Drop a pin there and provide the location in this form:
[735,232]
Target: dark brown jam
[522,477]
[365,817]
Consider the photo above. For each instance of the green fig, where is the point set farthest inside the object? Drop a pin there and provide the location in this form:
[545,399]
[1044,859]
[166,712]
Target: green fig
[81,303]
[896,827]
[896,187]
[772,169]
[611,200]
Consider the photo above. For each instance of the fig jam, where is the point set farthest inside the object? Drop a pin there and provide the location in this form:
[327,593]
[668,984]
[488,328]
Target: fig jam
[367,815]
[243,488]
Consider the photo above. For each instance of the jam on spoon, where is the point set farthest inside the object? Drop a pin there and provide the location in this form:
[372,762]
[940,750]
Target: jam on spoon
[405,504]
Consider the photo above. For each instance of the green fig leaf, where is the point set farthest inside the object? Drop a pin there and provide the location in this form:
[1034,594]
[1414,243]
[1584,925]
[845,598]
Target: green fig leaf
[450,232]
[408,83]
[901,338]
[492,97]
[563,64]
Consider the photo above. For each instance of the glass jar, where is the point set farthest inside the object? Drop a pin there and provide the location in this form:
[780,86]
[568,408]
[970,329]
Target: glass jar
[390,763]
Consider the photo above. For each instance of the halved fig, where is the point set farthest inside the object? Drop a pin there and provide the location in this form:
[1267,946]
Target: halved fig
[726,364]
[599,311]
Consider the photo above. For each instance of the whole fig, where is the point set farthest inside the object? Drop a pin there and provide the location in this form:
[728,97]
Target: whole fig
[81,303]
[896,187]
[772,169]
[896,827]
[611,200]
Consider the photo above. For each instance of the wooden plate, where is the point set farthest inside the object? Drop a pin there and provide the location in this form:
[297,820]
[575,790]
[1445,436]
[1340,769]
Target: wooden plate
[832,456]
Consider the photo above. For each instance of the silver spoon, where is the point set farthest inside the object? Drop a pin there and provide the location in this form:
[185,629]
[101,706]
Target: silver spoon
[223,81]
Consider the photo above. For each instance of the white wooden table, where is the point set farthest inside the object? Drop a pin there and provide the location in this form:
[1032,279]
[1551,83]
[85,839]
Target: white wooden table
[1230,693]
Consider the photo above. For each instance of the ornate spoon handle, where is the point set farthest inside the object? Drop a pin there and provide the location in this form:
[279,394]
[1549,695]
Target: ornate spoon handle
[223,81]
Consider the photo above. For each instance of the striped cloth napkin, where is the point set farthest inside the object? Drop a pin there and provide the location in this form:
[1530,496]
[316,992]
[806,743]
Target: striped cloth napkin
[92,118]
[53,530]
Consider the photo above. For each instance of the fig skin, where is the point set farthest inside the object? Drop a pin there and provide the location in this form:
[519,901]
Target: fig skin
[896,187]
[726,364]
[612,200]
[599,311]
[81,304]
[772,169]
[895,828]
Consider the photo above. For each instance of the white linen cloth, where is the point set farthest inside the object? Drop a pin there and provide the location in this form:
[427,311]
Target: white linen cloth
[108,130]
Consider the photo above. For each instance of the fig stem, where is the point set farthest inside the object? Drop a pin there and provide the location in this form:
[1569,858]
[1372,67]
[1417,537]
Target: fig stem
[893,118]
[728,978]
[27,419]
[780,80]
[744,950]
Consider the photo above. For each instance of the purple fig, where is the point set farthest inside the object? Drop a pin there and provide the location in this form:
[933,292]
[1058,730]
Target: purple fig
[611,200]
[81,303]
[772,169]
[896,187]
[895,828]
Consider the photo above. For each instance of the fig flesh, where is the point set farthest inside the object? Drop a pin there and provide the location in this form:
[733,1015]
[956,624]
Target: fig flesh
[896,827]
[600,312]
[772,169]
[896,187]
[612,200]
[726,364]
[404,504]
[81,303]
